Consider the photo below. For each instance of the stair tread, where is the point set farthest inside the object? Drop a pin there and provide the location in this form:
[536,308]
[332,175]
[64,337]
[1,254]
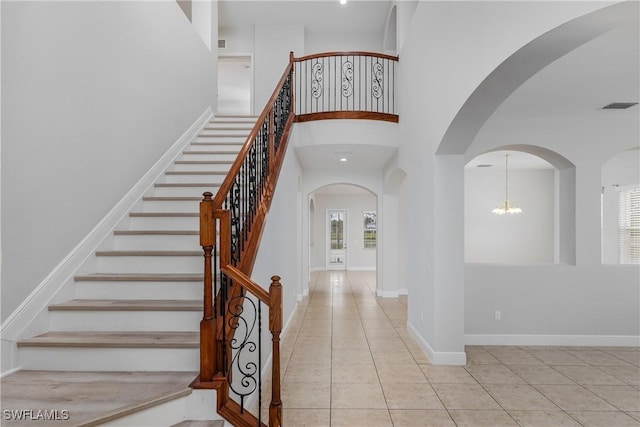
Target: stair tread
[214,143]
[186,184]
[156,232]
[210,152]
[196,173]
[93,398]
[239,116]
[127,305]
[148,253]
[245,128]
[164,214]
[138,277]
[114,339]
[191,423]
[203,162]
[171,199]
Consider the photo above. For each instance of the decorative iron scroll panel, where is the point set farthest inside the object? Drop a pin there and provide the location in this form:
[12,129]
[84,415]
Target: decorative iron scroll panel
[360,83]
[245,316]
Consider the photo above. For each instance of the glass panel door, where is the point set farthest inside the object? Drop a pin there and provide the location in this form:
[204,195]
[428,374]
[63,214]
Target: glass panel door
[337,247]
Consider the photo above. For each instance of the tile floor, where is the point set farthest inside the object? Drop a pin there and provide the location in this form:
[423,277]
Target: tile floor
[348,360]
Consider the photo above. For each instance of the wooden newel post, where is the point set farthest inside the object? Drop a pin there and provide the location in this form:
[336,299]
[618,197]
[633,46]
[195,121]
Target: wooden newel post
[275,326]
[207,324]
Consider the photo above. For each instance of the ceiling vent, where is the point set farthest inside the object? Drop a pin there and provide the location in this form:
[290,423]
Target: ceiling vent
[222,43]
[619,105]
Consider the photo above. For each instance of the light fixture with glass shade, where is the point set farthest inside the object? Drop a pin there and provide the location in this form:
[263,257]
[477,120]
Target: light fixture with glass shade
[506,206]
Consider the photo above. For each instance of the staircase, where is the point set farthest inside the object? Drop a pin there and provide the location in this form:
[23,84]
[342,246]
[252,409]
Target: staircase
[139,303]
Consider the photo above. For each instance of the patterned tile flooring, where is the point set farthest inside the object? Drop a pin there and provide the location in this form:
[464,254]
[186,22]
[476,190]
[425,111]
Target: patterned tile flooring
[348,361]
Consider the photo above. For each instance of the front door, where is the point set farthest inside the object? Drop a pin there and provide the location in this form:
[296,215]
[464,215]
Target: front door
[336,240]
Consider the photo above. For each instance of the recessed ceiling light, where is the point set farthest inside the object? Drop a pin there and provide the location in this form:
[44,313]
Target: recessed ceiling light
[619,105]
[343,1]
[343,159]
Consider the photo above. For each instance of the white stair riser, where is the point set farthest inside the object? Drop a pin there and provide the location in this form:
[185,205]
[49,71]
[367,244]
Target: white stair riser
[195,406]
[190,155]
[184,191]
[164,223]
[212,145]
[192,206]
[156,321]
[236,124]
[156,242]
[138,290]
[149,264]
[180,179]
[235,135]
[109,359]
[223,167]
[233,118]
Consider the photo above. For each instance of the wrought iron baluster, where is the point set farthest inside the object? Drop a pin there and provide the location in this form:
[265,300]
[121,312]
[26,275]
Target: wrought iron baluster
[243,313]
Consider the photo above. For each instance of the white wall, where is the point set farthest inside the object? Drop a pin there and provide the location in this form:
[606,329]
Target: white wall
[525,238]
[358,258]
[93,94]
[334,41]
[586,303]
[239,40]
[272,46]
[280,244]
[552,305]
[621,171]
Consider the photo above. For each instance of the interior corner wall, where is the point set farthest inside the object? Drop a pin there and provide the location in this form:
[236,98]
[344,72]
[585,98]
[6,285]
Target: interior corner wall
[272,44]
[93,93]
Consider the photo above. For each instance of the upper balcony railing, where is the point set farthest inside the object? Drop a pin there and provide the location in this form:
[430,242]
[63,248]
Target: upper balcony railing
[345,85]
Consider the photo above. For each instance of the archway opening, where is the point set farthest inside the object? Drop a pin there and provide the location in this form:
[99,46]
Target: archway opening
[343,229]
[538,186]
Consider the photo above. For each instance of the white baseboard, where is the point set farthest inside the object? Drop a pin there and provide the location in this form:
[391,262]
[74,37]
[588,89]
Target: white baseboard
[350,268]
[437,357]
[388,294]
[392,294]
[565,340]
[17,325]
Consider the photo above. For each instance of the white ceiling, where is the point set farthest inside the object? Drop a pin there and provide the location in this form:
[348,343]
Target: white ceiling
[360,157]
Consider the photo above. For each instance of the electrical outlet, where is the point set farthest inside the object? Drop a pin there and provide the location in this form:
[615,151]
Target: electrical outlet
[497,315]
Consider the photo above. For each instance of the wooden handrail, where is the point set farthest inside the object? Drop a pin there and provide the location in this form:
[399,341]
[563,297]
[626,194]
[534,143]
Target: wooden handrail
[354,53]
[251,286]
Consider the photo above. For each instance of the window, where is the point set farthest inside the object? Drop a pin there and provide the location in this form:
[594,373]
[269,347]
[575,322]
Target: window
[370,229]
[629,226]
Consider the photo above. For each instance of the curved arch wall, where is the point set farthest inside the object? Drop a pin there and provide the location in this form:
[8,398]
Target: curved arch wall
[450,53]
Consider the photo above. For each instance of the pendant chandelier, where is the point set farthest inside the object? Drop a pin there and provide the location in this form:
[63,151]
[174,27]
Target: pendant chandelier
[506,206]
